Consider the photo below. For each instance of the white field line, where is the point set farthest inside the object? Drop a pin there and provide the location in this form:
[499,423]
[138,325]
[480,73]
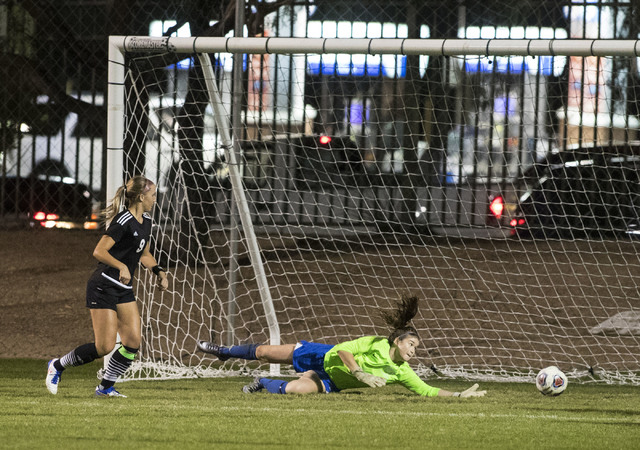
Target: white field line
[554,417]
[547,417]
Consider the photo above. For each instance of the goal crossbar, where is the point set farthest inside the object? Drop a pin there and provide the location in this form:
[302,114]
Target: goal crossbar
[430,47]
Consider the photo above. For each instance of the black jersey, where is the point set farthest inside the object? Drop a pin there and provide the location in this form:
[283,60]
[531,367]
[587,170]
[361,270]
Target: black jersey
[131,238]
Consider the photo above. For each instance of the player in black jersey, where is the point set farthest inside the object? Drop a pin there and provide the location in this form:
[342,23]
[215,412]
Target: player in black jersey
[110,297]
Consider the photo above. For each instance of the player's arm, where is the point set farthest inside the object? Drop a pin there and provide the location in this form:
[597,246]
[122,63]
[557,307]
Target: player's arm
[409,379]
[414,383]
[349,360]
[367,378]
[101,253]
[149,262]
[471,392]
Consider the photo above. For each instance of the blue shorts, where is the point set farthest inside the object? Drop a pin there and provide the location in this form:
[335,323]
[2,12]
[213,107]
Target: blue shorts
[310,356]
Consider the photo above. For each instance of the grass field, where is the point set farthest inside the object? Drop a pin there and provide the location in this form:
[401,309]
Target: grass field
[214,413]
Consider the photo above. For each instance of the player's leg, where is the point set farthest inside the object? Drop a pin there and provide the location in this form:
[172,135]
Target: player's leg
[308,383]
[103,316]
[276,354]
[105,329]
[128,326]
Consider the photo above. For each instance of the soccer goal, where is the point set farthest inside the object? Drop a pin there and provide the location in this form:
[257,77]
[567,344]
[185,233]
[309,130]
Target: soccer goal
[302,192]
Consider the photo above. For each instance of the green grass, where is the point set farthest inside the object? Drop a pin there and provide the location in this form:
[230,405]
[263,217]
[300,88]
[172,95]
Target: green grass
[214,413]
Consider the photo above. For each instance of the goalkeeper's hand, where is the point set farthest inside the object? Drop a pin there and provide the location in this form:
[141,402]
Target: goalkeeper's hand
[471,392]
[369,379]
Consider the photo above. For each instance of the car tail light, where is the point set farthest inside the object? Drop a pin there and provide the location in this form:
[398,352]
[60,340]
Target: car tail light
[324,140]
[41,215]
[497,206]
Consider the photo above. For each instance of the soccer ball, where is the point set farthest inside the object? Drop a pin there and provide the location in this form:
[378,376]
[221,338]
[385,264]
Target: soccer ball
[551,381]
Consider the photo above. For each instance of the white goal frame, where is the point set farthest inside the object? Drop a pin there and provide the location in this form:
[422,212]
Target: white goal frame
[120,45]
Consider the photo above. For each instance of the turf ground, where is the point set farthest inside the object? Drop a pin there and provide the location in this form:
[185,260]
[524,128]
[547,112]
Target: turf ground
[214,413]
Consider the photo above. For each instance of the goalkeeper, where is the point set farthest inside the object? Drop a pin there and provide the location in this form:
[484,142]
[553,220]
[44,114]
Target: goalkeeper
[370,361]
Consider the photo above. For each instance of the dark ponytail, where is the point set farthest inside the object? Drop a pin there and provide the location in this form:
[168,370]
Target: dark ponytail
[399,319]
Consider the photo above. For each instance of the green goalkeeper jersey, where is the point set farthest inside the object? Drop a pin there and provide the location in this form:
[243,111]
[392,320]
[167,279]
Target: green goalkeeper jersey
[372,355]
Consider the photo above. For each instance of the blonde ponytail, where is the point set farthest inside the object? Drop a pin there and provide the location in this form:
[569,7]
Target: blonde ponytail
[114,206]
[126,196]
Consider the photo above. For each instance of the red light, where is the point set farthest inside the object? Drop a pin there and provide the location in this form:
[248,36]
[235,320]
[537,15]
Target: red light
[52,217]
[324,140]
[39,216]
[521,221]
[513,222]
[497,206]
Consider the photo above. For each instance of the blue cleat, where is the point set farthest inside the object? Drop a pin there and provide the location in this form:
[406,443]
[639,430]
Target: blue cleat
[109,392]
[53,377]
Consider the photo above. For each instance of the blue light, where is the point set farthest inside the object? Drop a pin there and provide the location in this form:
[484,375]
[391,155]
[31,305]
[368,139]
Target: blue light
[355,114]
[372,70]
[505,105]
[185,63]
[514,65]
[188,63]
[390,67]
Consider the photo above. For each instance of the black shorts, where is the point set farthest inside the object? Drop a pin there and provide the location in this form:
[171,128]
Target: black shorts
[102,294]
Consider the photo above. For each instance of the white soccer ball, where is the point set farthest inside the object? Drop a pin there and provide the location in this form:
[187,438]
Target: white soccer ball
[551,381]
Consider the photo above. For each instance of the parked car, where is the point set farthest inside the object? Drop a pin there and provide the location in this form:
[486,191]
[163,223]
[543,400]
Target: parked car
[327,160]
[48,201]
[587,192]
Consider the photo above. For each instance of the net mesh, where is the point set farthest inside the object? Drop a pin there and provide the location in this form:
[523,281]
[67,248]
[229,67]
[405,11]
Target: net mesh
[361,189]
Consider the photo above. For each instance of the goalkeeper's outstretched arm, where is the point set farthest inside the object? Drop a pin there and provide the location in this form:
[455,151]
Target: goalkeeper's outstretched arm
[471,392]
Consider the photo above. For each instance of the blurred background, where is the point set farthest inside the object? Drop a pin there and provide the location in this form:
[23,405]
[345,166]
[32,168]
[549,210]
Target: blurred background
[476,125]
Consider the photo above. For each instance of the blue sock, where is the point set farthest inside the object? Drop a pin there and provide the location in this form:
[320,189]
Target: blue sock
[247,351]
[274,386]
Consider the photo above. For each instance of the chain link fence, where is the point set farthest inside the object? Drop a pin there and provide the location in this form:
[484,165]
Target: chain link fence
[53,82]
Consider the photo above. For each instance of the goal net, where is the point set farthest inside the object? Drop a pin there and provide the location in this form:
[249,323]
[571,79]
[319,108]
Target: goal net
[304,191]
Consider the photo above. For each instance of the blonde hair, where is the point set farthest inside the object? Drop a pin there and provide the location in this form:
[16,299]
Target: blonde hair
[127,196]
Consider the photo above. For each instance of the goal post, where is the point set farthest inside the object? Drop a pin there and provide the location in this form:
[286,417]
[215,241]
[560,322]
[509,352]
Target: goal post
[220,116]
[367,171]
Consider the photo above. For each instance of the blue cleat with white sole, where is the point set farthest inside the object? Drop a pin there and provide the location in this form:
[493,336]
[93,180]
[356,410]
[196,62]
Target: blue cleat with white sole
[109,392]
[53,377]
